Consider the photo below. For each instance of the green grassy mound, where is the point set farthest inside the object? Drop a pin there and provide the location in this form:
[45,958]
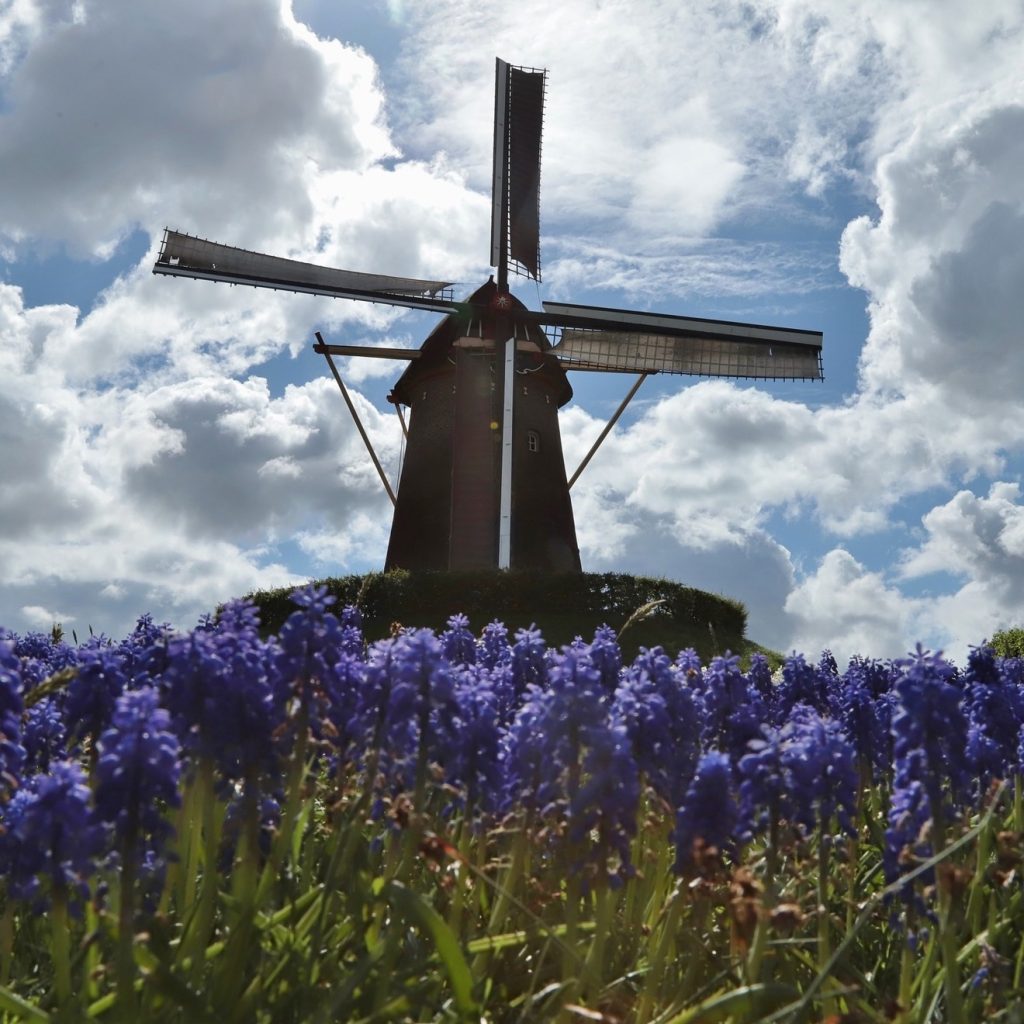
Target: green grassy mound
[645,612]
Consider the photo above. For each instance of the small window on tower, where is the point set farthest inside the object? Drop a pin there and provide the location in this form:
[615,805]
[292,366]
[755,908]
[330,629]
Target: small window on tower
[533,440]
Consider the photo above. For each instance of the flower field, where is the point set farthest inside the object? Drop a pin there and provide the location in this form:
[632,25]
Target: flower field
[216,826]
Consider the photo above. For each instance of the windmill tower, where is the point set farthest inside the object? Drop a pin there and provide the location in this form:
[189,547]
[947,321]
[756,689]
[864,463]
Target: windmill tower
[483,482]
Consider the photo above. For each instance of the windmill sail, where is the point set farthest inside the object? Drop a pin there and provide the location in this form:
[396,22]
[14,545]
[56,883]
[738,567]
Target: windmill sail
[515,213]
[627,341]
[187,256]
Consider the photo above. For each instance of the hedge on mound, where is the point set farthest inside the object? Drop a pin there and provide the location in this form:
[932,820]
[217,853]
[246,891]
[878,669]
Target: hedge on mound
[565,604]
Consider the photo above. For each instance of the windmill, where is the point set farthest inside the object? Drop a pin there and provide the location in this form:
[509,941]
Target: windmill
[483,481]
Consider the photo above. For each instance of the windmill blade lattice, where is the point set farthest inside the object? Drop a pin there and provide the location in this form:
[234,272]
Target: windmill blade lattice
[187,256]
[629,341]
[515,191]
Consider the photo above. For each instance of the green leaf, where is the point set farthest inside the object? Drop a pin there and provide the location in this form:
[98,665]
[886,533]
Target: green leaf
[494,943]
[48,687]
[415,909]
[22,1008]
[741,1001]
[266,922]
[299,832]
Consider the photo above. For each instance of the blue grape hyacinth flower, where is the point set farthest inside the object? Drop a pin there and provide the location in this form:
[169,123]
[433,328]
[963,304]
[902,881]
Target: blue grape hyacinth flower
[821,767]
[760,676]
[691,671]
[602,809]
[929,730]
[733,710]
[408,705]
[93,692]
[308,644]
[606,657]
[930,752]
[343,687]
[44,735]
[144,651]
[528,659]
[708,813]
[764,782]
[802,684]
[352,640]
[42,655]
[995,712]
[568,759]
[493,647]
[664,722]
[458,641]
[472,760]
[218,689]
[12,753]
[138,771]
[50,838]
[804,773]
[864,711]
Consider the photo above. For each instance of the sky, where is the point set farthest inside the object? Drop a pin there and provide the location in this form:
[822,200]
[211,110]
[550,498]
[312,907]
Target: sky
[849,167]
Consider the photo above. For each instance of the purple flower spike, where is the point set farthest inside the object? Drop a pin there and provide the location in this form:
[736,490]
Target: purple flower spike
[606,657]
[764,789]
[409,686]
[569,758]
[343,687]
[50,835]
[41,656]
[12,754]
[313,599]
[733,711]
[473,761]
[906,836]
[352,640]
[801,684]
[708,811]
[219,694]
[493,646]
[690,671]
[138,770]
[144,651]
[44,735]
[930,730]
[760,676]
[529,660]
[864,715]
[929,747]
[603,809]
[803,773]
[995,712]
[821,766]
[94,691]
[663,720]
[310,642]
[458,642]
[352,617]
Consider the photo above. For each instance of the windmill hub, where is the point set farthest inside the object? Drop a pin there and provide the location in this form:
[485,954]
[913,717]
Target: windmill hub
[483,481]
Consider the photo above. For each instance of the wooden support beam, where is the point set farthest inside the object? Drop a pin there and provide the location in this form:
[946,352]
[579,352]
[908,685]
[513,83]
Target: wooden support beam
[322,348]
[608,426]
[362,350]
